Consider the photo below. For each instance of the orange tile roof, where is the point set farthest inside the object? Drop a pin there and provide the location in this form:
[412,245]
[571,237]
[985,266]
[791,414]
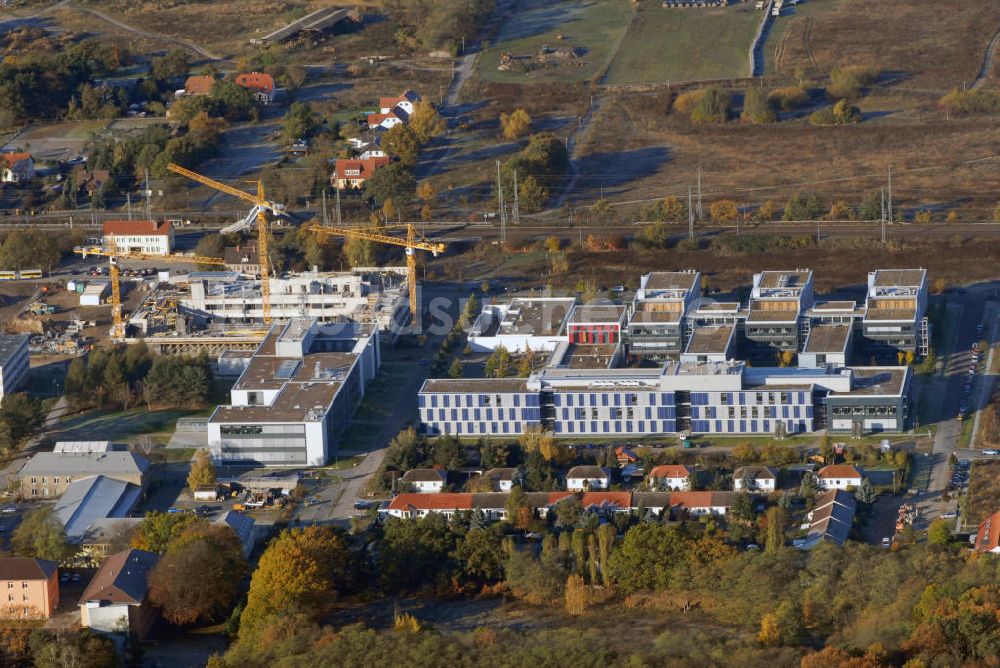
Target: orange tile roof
[365,167]
[390,102]
[199,85]
[670,471]
[442,501]
[143,228]
[256,80]
[988,535]
[839,471]
[376,119]
[13,158]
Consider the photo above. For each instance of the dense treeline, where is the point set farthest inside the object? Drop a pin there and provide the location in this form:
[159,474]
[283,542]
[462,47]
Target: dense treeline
[437,24]
[34,249]
[39,85]
[119,378]
[539,167]
[21,415]
[701,601]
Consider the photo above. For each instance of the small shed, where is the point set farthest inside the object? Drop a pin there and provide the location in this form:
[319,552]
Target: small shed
[206,493]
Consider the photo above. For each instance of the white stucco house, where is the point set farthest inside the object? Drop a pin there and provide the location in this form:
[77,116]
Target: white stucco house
[425,480]
[587,478]
[839,476]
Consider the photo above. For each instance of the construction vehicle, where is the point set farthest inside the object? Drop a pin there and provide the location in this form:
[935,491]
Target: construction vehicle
[412,243]
[41,308]
[262,205]
[114,258]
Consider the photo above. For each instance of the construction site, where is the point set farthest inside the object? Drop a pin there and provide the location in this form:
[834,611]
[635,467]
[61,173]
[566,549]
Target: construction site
[210,304]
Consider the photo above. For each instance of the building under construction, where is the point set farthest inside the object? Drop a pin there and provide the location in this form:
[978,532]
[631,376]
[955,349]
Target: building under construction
[215,310]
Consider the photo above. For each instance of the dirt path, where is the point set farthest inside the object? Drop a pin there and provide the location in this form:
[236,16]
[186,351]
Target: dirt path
[142,33]
[991,51]
[571,143]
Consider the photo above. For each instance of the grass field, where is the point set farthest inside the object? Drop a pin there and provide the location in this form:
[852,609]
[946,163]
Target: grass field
[685,44]
[595,25]
[927,43]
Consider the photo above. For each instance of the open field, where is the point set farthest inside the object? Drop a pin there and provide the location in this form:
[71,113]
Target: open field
[840,264]
[637,151]
[594,25]
[57,141]
[685,44]
[928,43]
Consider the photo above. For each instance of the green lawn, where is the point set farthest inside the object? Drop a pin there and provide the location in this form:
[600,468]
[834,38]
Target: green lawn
[685,44]
[597,26]
[120,426]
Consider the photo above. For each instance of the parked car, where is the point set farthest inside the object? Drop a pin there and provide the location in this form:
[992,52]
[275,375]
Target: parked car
[991,452]
[950,515]
[887,542]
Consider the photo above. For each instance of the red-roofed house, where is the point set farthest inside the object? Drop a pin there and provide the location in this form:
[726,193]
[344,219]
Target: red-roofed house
[140,236]
[260,83]
[16,167]
[703,503]
[199,85]
[384,121]
[407,506]
[839,476]
[988,536]
[349,173]
[670,477]
[404,103]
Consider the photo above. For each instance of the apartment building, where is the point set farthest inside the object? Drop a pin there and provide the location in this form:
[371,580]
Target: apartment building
[778,300]
[296,396]
[29,588]
[140,236]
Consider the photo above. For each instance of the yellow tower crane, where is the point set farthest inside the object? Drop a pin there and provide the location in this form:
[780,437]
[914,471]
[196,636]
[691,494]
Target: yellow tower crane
[412,243]
[114,258]
[261,205]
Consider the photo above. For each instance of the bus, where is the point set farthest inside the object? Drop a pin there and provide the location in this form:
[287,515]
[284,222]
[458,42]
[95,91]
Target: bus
[30,273]
[8,275]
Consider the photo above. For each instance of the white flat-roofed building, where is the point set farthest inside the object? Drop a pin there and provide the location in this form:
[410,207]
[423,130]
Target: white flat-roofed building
[895,318]
[140,236]
[657,315]
[15,362]
[538,324]
[777,301]
[297,395]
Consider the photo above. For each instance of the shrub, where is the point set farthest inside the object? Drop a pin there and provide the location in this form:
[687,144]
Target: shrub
[971,102]
[687,102]
[841,113]
[713,106]
[788,97]
[688,245]
[803,206]
[847,82]
[757,107]
[724,211]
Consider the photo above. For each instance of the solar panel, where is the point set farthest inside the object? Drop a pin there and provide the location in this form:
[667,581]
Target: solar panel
[286,369]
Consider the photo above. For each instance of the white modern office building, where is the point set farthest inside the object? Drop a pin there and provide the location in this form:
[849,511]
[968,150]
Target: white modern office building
[15,362]
[296,396]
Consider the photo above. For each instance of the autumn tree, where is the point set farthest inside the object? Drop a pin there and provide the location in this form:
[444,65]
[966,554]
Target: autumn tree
[216,554]
[776,519]
[498,363]
[515,125]
[158,530]
[757,107]
[402,142]
[724,211]
[939,532]
[40,534]
[426,122]
[576,595]
[359,252]
[202,473]
[301,572]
